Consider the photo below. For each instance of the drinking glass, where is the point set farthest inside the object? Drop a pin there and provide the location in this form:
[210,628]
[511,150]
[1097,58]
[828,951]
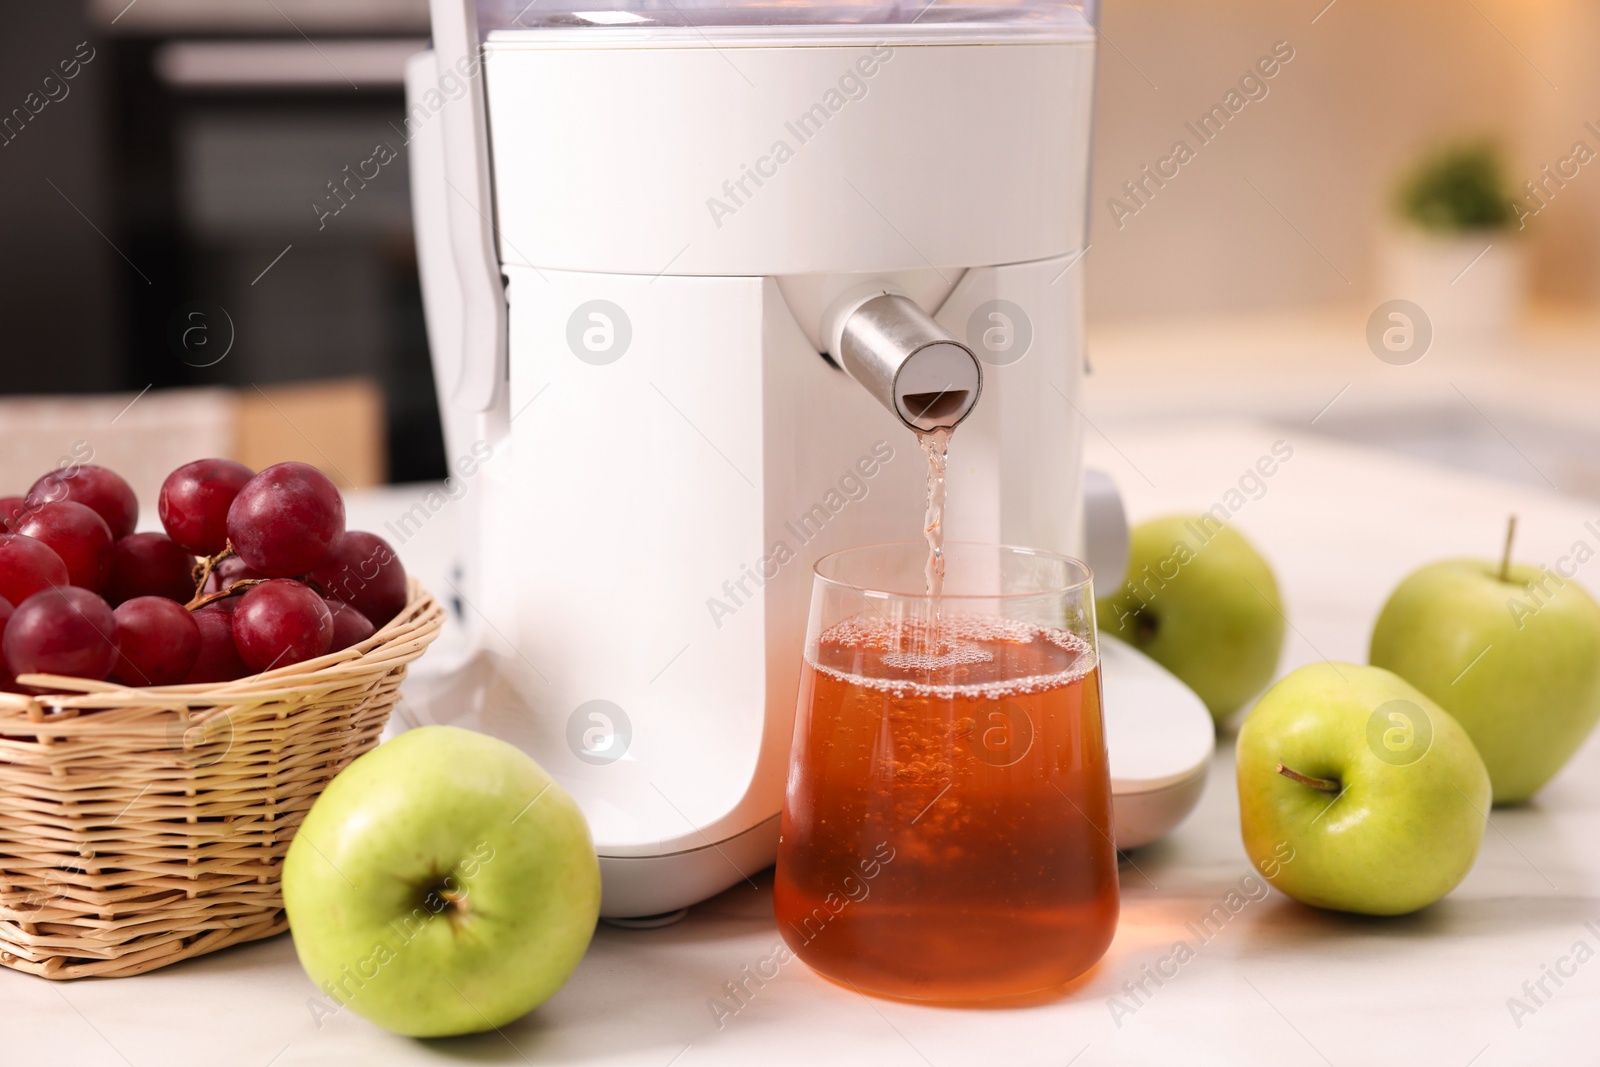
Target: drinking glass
[947,824]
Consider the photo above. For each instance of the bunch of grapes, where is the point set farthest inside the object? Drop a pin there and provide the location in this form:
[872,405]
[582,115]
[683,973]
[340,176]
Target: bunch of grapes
[278,579]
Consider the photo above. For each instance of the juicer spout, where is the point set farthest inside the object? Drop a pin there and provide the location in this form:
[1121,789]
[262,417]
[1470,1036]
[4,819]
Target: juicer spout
[905,359]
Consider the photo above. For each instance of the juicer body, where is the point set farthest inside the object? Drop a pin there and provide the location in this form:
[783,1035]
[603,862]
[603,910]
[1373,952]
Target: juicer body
[673,216]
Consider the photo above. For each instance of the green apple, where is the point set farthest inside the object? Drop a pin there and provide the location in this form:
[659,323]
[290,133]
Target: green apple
[1357,792]
[1514,655]
[442,884]
[1199,600]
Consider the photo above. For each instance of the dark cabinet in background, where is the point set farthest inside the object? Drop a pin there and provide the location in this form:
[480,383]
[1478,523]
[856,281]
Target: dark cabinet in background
[244,167]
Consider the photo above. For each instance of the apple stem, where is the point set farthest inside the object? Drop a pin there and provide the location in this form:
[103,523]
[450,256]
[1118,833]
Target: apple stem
[1505,556]
[1326,785]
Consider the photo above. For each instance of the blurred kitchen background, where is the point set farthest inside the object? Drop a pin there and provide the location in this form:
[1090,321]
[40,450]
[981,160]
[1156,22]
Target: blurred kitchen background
[173,204]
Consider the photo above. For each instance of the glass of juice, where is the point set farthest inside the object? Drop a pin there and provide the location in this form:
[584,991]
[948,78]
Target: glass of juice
[947,824]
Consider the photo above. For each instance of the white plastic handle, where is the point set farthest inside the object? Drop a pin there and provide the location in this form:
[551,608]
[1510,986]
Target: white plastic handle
[470,209]
[1105,532]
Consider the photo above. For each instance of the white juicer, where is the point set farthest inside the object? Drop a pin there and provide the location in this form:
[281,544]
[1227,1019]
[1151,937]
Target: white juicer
[694,270]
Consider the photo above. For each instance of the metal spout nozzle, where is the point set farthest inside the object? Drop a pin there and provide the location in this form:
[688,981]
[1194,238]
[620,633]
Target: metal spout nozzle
[908,362]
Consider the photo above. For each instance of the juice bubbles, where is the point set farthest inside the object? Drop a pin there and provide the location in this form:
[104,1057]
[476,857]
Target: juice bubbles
[946,831]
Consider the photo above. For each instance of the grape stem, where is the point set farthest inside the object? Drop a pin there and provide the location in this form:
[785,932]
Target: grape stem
[236,589]
[203,569]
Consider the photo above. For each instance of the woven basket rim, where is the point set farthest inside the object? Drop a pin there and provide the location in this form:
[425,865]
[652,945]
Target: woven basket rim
[415,627]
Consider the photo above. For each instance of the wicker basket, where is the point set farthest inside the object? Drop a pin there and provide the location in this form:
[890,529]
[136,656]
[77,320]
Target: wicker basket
[139,827]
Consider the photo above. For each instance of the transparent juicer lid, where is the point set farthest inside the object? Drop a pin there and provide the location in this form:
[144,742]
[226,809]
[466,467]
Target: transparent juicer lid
[927,14]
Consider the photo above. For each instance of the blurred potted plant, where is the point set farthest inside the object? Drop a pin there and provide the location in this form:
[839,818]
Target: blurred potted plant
[1453,250]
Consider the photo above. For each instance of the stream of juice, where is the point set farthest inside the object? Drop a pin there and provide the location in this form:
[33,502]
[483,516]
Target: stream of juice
[935,445]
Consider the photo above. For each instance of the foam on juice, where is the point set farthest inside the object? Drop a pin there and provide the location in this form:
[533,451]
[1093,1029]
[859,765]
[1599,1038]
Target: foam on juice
[972,656]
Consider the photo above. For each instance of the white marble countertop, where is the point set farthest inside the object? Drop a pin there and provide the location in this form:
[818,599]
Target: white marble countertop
[1278,984]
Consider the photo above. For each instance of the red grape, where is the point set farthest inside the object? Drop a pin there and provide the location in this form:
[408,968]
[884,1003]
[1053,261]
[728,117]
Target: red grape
[6,681]
[287,520]
[228,571]
[365,573]
[11,509]
[219,659]
[350,627]
[62,630]
[158,641]
[280,622]
[28,565]
[104,492]
[79,536]
[194,503]
[150,564]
